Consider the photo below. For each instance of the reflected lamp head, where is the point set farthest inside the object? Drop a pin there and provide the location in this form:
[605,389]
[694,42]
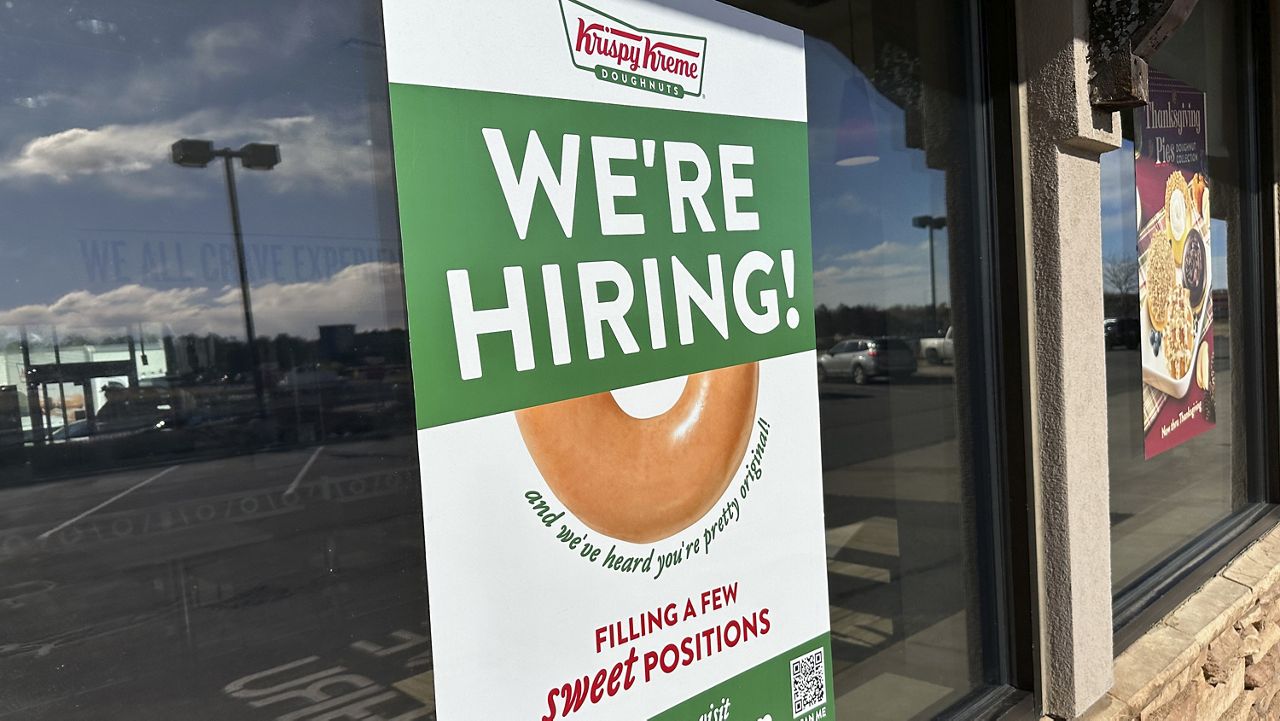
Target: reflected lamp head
[259,156]
[929,221]
[192,153]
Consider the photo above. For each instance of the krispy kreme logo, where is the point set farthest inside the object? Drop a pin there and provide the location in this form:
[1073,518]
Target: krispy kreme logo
[618,52]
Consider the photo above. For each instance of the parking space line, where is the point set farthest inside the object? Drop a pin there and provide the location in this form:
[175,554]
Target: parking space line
[298,478]
[107,502]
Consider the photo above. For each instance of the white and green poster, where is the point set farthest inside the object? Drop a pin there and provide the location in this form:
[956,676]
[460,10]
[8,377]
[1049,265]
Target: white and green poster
[605,214]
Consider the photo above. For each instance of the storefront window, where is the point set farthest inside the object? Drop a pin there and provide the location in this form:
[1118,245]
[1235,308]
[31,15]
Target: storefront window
[209,486]
[192,526]
[1174,253]
[897,271]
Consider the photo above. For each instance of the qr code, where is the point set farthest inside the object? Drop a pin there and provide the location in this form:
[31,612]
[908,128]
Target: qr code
[808,682]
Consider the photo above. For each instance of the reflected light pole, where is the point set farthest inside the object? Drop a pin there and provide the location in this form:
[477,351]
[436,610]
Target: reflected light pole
[254,156]
[932,223]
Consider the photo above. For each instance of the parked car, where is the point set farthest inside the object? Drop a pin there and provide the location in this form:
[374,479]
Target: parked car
[939,350]
[1121,332]
[860,359]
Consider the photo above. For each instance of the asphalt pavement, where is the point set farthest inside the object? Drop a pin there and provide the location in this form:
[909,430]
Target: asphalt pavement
[290,584]
[263,586]
[883,418]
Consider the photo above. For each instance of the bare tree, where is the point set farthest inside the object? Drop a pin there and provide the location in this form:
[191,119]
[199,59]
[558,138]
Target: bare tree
[1120,274]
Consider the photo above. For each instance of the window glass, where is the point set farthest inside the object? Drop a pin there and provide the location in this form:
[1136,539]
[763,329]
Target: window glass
[203,522]
[897,260]
[1176,444]
[193,526]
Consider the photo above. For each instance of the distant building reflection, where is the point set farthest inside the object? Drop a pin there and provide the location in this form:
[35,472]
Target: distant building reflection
[102,398]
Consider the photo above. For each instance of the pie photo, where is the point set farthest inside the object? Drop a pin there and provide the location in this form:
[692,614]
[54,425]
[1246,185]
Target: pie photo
[1177,209]
[1162,278]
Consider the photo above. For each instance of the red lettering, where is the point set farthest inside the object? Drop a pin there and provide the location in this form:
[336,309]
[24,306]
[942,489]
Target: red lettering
[631,676]
[687,648]
[614,675]
[574,696]
[675,657]
[597,686]
[650,663]
[731,592]
[551,704]
[732,633]
[584,36]
[608,681]
[656,59]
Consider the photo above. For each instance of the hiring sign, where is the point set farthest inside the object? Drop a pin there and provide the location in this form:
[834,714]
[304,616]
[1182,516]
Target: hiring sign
[607,262]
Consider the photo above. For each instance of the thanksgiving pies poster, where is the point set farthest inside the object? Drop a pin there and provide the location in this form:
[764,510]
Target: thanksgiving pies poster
[608,273]
[1175,256]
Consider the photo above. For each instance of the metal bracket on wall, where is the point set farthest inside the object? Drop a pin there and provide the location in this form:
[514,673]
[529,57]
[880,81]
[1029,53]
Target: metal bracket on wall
[1123,35]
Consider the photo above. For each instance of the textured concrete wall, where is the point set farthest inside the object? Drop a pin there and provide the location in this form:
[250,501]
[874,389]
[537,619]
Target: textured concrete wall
[1062,139]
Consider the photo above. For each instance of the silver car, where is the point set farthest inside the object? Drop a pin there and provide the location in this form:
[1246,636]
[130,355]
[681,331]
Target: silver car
[860,359]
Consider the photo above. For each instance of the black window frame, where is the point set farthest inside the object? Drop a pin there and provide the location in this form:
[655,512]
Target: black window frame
[1006,572]
[1002,439]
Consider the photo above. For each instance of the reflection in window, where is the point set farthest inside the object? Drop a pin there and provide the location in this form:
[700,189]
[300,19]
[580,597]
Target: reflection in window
[1164,495]
[895,258]
[195,519]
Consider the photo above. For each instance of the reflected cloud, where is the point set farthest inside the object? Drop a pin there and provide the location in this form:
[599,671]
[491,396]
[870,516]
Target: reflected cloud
[888,250]
[357,295]
[41,100]
[211,55]
[850,202]
[337,154]
[885,274]
[831,275]
[95,26]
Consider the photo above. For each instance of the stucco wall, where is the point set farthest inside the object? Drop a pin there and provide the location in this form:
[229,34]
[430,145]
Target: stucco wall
[1061,141]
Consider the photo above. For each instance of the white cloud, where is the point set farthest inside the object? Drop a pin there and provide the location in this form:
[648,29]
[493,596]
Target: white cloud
[888,251]
[367,295]
[95,26]
[81,151]
[317,152]
[884,261]
[40,100]
[847,202]
[888,273]
[212,55]
[219,51]
[833,274]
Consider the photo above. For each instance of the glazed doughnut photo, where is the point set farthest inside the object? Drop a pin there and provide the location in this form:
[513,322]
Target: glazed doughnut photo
[645,479]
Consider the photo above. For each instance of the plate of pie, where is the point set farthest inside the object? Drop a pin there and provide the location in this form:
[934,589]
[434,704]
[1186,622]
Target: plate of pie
[1174,287]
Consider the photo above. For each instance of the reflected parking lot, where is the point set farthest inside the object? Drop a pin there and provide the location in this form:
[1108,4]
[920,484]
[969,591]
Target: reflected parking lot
[238,564]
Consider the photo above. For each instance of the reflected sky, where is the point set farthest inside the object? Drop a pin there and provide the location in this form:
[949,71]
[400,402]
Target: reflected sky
[99,226]
[865,250]
[97,221]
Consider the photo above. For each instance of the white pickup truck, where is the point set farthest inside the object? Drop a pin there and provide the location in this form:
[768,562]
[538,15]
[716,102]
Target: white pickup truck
[939,350]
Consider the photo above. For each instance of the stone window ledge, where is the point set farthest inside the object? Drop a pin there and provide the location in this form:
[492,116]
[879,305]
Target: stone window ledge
[1214,657]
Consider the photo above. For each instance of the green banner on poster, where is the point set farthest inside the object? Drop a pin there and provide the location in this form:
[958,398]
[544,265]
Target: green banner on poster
[654,243]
